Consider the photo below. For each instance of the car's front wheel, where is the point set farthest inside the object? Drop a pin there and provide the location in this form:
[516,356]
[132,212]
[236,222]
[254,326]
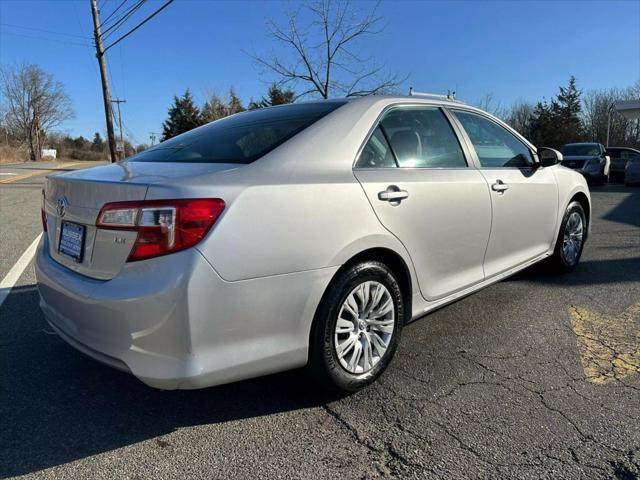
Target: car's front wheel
[571,238]
[357,326]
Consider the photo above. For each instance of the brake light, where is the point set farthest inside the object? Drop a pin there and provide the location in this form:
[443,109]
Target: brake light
[163,226]
[43,217]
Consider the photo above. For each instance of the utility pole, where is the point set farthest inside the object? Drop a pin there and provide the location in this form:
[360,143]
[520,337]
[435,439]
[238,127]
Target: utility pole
[153,136]
[609,112]
[118,102]
[108,112]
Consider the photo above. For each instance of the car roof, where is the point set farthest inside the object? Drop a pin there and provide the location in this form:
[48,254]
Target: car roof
[372,99]
[581,143]
[624,148]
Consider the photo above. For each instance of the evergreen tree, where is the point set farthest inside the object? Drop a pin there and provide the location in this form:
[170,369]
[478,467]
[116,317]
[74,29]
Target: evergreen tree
[184,115]
[568,112]
[98,144]
[275,96]
[234,105]
[558,122]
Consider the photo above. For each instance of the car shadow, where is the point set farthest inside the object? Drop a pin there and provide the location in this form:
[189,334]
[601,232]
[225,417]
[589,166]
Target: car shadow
[627,210]
[588,272]
[57,405]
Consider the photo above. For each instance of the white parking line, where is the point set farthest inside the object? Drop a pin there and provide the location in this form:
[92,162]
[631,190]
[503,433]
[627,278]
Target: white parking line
[16,271]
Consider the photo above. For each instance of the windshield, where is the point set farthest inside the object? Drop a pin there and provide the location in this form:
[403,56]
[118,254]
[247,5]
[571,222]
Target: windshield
[241,138]
[580,150]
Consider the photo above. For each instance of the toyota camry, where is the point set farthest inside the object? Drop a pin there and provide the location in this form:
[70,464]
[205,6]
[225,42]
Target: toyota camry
[298,235]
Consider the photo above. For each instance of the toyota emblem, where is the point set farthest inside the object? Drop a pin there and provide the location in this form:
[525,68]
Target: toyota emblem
[61,206]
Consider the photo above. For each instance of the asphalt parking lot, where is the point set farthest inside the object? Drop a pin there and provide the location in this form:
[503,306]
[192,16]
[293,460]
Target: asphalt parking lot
[537,376]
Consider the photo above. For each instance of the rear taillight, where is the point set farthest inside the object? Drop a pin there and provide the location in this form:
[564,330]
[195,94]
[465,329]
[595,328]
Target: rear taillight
[163,226]
[43,216]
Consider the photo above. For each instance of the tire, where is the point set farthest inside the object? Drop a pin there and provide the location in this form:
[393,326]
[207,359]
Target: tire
[327,338]
[566,259]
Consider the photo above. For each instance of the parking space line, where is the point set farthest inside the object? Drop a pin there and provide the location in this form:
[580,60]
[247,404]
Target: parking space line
[23,176]
[16,271]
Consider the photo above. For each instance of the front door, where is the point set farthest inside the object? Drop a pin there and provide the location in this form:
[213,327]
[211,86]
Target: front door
[416,177]
[524,199]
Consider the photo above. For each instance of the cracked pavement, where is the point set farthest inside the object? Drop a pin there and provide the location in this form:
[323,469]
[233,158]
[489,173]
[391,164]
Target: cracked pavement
[496,385]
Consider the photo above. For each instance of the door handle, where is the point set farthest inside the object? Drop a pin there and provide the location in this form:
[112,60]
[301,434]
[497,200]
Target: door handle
[393,195]
[499,186]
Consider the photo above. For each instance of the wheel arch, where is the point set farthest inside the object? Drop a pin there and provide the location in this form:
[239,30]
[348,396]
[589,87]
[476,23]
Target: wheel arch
[391,259]
[583,200]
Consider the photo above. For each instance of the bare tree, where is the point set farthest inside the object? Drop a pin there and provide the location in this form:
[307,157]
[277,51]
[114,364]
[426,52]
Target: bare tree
[520,117]
[327,61]
[34,104]
[598,111]
[489,104]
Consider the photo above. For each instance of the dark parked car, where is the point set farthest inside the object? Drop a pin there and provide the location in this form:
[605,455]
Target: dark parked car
[590,159]
[620,156]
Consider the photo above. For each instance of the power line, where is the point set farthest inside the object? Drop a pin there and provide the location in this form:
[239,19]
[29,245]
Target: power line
[114,12]
[45,31]
[122,18]
[82,30]
[166,4]
[68,42]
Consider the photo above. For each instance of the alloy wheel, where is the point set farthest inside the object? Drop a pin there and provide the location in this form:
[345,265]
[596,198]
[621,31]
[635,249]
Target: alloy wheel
[572,239]
[364,328]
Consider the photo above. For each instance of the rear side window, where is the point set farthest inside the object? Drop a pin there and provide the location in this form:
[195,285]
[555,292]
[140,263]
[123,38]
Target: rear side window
[494,145]
[376,152]
[241,138]
[422,138]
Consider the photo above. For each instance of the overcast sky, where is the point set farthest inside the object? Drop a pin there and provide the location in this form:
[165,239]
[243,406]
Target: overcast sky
[513,50]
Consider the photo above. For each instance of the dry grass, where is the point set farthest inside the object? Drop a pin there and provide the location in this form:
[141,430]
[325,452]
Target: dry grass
[20,154]
[13,154]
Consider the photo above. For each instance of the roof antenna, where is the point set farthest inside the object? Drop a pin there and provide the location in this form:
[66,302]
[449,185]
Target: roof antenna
[410,91]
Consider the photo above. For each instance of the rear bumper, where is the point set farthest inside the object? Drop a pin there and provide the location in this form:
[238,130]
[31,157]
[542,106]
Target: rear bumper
[174,323]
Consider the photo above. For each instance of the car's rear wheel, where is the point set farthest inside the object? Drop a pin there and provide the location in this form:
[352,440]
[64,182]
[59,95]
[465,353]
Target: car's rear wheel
[571,238]
[357,326]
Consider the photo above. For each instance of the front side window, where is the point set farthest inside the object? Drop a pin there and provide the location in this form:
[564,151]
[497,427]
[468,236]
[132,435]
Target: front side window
[494,145]
[241,138]
[422,138]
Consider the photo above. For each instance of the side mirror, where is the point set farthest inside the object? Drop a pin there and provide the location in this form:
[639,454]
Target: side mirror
[549,156]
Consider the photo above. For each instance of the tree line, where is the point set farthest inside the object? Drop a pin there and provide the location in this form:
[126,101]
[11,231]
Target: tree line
[317,54]
[184,114]
[575,116]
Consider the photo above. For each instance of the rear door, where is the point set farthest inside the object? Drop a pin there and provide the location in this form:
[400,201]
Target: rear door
[416,176]
[524,199]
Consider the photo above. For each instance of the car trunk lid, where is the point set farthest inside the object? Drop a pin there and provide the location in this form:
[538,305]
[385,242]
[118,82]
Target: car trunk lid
[72,202]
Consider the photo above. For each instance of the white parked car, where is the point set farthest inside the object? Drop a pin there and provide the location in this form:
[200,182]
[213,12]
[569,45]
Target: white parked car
[305,234]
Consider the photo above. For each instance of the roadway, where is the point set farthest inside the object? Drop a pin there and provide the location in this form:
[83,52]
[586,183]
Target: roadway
[534,377]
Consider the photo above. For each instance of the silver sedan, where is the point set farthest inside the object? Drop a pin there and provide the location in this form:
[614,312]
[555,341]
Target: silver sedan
[305,234]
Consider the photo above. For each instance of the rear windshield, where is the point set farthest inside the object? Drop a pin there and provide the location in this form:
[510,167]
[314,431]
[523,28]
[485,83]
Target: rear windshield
[576,150]
[241,138]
